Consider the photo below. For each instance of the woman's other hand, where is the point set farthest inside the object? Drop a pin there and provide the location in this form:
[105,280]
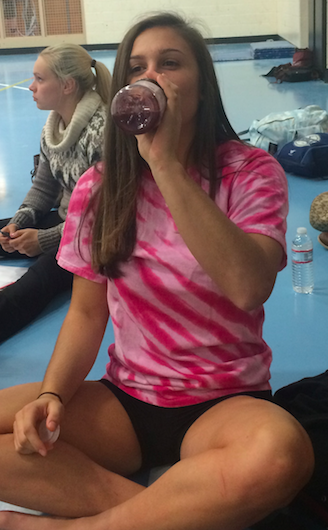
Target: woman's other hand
[27,422]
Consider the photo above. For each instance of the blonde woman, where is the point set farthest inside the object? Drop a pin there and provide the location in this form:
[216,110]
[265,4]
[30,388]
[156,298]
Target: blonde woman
[75,88]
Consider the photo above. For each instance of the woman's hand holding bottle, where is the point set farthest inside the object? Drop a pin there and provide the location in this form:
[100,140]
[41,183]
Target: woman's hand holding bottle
[162,144]
[36,426]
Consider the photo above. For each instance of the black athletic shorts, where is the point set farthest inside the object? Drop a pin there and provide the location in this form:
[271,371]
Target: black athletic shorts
[160,430]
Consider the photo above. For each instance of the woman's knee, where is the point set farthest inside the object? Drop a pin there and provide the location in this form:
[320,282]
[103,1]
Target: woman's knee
[260,451]
[281,460]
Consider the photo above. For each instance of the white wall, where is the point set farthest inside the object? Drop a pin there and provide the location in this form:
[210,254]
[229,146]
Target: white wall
[293,17]
[106,21]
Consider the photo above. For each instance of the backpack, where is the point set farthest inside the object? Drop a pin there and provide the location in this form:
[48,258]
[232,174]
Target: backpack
[307,400]
[302,68]
[293,74]
[307,156]
[303,57]
[277,129]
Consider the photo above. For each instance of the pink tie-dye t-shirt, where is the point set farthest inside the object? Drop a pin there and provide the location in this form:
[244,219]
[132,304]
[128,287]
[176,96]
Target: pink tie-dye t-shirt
[178,339]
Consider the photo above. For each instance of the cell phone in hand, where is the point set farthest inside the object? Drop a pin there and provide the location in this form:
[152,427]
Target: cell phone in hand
[5,234]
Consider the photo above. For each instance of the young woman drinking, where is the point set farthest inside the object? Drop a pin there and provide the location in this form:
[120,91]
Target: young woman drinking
[179,236]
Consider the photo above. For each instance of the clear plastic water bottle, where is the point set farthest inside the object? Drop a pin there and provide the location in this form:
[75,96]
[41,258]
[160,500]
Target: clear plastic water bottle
[302,262]
[46,435]
[138,108]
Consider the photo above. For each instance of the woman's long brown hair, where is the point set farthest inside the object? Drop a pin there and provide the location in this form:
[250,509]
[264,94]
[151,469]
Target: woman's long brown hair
[114,233]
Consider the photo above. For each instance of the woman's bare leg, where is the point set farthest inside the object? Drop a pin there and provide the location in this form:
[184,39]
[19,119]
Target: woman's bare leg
[240,461]
[76,478]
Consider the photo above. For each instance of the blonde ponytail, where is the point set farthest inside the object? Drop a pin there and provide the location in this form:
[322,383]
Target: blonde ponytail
[103,80]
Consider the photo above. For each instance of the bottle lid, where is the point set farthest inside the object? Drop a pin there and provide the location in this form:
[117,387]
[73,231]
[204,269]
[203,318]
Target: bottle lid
[46,435]
[301,230]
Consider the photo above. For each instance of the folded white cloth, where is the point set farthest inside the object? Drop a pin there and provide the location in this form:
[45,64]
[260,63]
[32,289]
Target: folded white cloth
[12,508]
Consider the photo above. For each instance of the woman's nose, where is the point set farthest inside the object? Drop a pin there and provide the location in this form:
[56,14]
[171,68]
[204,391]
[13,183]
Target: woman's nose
[151,73]
[31,87]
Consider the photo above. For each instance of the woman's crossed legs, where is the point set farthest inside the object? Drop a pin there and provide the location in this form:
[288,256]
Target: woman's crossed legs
[240,460]
[74,478]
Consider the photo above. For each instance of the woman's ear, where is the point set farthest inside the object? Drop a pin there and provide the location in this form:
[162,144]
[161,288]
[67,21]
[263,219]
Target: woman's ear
[69,86]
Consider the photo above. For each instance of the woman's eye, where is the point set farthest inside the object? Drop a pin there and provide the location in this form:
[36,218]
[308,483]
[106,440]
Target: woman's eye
[135,69]
[170,63]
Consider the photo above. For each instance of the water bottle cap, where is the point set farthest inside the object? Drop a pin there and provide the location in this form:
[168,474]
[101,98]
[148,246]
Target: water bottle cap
[46,435]
[302,230]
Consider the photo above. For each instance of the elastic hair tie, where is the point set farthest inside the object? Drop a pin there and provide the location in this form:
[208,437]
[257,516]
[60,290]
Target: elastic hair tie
[53,394]
[93,63]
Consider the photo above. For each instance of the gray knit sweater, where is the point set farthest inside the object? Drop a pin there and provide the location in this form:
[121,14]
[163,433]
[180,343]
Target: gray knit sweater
[65,154]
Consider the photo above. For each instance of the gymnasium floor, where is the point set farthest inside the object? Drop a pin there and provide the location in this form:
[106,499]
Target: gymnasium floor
[295,323]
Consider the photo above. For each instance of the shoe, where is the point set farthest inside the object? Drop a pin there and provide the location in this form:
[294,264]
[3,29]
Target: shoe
[322,242]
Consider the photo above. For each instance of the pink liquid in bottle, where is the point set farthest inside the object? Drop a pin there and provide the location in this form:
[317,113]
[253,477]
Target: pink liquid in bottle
[138,108]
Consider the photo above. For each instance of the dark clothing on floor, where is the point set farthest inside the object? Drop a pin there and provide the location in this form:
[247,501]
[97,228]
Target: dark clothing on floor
[24,300]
